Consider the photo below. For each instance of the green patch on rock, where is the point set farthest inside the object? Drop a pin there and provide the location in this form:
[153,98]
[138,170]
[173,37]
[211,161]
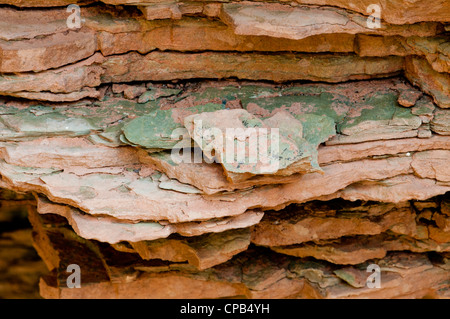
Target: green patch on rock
[378,113]
[354,277]
[424,106]
[316,128]
[230,93]
[300,101]
[161,128]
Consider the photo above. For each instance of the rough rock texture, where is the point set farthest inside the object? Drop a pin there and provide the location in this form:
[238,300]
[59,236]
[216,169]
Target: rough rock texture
[20,265]
[226,149]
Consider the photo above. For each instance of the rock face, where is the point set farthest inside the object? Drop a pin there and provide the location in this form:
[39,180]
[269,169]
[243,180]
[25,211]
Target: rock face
[206,149]
[20,265]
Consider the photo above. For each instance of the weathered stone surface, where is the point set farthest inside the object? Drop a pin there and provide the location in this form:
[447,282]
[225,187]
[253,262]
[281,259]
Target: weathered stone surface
[348,152]
[152,203]
[279,68]
[130,67]
[43,3]
[163,129]
[67,79]
[113,230]
[437,168]
[230,137]
[419,72]
[29,24]
[434,49]
[396,189]
[209,178]
[441,122]
[106,194]
[254,275]
[303,225]
[95,119]
[408,98]
[397,11]
[194,34]
[46,53]
[63,153]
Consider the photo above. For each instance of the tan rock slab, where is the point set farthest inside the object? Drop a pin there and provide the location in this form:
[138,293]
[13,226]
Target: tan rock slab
[281,229]
[109,194]
[394,190]
[48,52]
[278,68]
[203,251]
[107,229]
[432,164]
[196,34]
[297,22]
[65,153]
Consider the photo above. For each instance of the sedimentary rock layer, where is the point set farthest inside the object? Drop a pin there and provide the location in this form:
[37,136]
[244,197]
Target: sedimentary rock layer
[223,149]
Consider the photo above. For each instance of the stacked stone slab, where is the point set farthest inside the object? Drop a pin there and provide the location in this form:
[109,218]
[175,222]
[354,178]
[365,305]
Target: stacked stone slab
[100,123]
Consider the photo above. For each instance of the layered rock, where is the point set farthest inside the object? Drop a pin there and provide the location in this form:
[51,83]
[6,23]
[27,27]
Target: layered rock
[203,149]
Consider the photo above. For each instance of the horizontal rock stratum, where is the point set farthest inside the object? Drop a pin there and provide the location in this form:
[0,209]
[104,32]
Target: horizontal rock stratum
[232,149]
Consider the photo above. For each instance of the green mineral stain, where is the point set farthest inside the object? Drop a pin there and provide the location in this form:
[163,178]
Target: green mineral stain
[348,277]
[230,93]
[316,128]
[331,105]
[249,123]
[155,93]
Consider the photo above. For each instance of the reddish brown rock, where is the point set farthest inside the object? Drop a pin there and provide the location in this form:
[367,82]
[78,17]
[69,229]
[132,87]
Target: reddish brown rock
[434,49]
[68,79]
[437,168]
[46,53]
[87,122]
[301,226]
[419,72]
[396,189]
[189,34]
[278,68]
[44,3]
[296,22]
[356,250]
